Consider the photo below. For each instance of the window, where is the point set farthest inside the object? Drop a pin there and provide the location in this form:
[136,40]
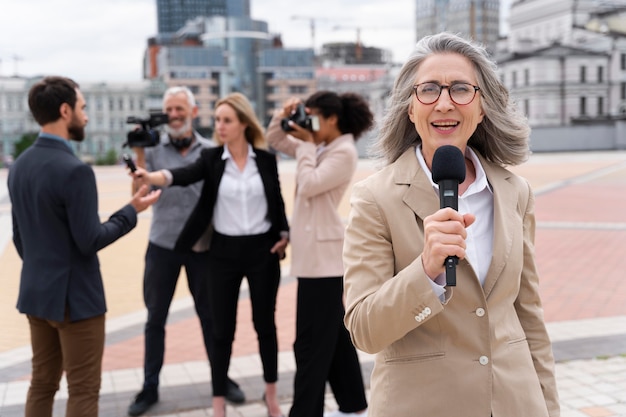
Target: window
[623,62]
[526,76]
[527,107]
[514,79]
[583,74]
[297,89]
[623,91]
[600,106]
[600,74]
[583,106]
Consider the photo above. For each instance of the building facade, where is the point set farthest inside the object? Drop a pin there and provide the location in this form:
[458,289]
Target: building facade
[215,56]
[173,14]
[564,63]
[109,105]
[474,19]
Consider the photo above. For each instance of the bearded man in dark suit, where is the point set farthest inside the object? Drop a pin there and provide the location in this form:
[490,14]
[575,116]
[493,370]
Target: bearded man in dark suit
[57,232]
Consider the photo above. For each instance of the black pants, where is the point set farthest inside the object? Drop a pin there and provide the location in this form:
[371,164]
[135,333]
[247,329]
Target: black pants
[324,351]
[230,259]
[160,277]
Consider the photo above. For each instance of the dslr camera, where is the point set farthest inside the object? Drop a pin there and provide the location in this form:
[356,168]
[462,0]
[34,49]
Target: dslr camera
[146,135]
[302,119]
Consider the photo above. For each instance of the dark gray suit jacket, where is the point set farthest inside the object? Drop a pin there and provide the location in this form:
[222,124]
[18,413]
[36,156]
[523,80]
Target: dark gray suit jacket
[57,232]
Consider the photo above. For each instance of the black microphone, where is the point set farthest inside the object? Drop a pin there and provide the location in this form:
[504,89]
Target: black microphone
[449,171]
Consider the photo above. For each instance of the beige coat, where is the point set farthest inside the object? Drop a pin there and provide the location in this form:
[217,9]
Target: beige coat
[487,349]
[316,229]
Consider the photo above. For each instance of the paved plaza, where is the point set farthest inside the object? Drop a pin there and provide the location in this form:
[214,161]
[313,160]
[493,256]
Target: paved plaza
[581,256]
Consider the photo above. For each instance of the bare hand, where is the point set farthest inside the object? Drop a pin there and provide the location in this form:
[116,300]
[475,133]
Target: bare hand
[279,247]
[301,133]
[289,107]
[141,177]
[144,198]
[140,155]
[444,235]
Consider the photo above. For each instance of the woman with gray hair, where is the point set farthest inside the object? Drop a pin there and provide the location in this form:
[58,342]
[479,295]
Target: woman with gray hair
[478,348]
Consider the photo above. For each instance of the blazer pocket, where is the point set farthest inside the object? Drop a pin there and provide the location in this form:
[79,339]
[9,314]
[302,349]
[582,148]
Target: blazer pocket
[518,341]
[424,357]
[330,232]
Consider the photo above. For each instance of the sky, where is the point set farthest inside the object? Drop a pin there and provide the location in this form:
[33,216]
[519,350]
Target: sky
[104,41]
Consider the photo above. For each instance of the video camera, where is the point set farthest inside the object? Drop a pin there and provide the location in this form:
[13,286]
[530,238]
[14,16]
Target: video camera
[302,119]
[145,136]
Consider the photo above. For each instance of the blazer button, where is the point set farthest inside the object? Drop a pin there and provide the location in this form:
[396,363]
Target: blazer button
[480,312]
[483,360]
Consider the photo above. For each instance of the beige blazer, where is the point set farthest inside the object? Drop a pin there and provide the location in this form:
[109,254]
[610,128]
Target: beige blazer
[316,229]
[486,350]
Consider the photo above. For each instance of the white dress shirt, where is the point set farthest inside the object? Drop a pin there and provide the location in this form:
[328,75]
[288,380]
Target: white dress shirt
[241,206]
[478,200]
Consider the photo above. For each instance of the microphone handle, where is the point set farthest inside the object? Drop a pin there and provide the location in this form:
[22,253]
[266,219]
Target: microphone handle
[450,264]
[449,197]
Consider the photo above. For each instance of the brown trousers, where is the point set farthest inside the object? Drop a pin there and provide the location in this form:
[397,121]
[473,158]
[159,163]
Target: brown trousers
[74,347]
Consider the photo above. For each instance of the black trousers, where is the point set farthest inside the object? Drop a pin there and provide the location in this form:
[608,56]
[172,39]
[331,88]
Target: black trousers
[230,259]
[324,351]
[159,282]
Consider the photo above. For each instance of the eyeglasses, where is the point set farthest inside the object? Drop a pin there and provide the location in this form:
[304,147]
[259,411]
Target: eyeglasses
[460,93]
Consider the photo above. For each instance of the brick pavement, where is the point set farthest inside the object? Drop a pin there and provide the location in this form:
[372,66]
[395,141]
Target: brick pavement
[580,243]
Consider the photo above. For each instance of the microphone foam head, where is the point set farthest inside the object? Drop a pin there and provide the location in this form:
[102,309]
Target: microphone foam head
[448,164]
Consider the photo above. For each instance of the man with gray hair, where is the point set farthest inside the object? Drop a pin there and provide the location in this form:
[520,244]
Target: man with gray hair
[180,145]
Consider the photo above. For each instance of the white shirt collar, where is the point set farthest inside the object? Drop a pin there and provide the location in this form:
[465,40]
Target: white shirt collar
[479,184]
[227,155]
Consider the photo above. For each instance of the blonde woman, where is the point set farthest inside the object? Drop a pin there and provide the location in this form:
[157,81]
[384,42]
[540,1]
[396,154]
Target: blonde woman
[241,202]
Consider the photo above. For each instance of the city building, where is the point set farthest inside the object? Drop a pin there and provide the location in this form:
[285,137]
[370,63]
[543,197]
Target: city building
[173,14]
[564,62]
[474,19]
[282,74]
[109,104]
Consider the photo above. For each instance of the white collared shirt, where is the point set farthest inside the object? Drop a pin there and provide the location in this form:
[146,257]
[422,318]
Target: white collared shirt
[478,200]
[241,206]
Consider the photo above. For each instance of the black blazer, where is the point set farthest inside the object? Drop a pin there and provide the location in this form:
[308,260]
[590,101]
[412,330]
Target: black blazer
[210,168]
[57,232]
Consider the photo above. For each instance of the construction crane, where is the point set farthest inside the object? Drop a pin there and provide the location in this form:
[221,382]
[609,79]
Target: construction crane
[358,53]
[312,20]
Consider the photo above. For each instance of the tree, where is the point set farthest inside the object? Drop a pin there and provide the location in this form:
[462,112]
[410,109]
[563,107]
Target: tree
[25,141]
[110,158]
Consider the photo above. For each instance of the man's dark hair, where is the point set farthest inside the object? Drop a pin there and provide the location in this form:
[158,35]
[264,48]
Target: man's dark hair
[46,97]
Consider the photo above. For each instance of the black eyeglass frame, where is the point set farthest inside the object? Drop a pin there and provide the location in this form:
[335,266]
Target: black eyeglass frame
[441,88]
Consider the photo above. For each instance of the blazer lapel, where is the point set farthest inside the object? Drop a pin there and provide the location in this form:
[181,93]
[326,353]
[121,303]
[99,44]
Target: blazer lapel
[218,165]
[420,196]
[424,201]
[505,212]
